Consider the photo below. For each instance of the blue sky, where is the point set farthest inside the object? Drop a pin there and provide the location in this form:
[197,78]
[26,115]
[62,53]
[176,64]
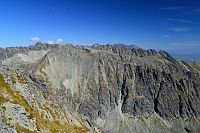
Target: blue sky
[171,25]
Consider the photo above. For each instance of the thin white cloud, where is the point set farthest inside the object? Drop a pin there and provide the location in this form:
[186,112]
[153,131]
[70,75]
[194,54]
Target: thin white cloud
[52,7]
[196,10]
[166,36]
[172,8]
[179,20]
[179,29]
[50,42]
[191,44]
[35,39]
[59,41]
[197,36]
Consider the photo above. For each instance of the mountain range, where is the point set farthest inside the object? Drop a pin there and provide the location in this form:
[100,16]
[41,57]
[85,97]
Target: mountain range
[99,88]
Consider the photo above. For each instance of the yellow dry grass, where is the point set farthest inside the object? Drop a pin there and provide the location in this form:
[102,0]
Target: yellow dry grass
[41,123]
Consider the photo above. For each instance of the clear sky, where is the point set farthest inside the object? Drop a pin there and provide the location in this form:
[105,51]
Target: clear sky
[171,25]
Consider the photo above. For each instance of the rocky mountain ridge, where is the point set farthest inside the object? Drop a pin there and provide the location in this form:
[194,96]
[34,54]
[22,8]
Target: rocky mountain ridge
[102,88]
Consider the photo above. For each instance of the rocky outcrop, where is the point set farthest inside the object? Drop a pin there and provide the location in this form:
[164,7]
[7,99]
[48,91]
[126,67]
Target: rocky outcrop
[102,88]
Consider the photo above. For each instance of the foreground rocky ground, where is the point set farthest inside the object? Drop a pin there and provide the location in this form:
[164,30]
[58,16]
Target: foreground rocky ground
[102,88]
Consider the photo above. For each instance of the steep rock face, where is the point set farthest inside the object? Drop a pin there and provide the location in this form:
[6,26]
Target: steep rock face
[107,88]
[11,51]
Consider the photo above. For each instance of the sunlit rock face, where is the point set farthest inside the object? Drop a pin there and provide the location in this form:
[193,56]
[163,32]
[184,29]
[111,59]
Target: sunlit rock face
[102,88]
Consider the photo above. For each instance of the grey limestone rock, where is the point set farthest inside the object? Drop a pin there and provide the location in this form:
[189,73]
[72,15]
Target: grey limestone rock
[115,88]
